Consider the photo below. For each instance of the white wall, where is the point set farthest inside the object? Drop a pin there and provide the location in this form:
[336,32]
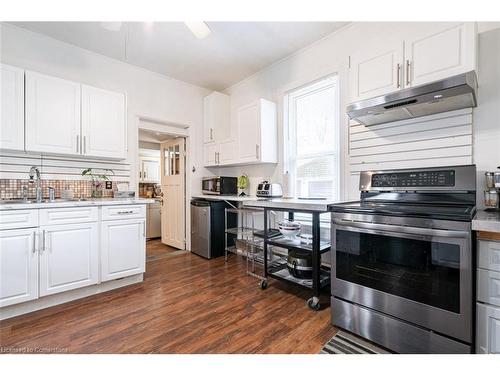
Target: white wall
[330,55]
[149,94]
[486,120]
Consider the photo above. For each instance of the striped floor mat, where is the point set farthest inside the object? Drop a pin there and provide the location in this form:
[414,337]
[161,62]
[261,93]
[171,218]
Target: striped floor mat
[346,343]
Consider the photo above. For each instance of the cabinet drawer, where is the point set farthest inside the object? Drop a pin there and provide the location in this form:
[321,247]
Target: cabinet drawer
[17,219]
[489,255]
[124,212]
[488,329]
[68,215]
[488,286]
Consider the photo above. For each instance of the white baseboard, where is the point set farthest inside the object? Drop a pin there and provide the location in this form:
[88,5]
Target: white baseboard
[71,295]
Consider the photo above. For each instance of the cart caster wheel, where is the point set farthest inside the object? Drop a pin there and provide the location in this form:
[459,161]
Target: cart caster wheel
[313,303]
[263,284]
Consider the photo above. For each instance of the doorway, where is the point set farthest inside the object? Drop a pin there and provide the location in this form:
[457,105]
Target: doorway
[162,177]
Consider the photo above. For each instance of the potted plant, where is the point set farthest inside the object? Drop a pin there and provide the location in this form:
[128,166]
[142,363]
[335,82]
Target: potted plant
[97,180]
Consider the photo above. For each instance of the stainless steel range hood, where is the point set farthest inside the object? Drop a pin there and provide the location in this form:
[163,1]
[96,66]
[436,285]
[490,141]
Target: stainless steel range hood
[452,93]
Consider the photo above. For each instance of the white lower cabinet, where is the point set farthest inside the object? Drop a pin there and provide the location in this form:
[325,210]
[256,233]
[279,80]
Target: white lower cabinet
[123,244]
[488,329]
[18,266]
[69,257]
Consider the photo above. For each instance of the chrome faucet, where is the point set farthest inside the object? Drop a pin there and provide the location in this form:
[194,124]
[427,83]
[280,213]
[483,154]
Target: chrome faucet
[38,190]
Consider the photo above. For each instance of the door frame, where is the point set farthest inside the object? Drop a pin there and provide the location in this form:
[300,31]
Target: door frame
[173,129]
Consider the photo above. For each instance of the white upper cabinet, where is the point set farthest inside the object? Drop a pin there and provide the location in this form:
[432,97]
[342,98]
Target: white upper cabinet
[210,154]
[216,114]
[12,108]
[376,70]
[104,130]
[52,115]
[257,133]
[18,266]
[69,257]
[412,55]
[227,152]
[439,50]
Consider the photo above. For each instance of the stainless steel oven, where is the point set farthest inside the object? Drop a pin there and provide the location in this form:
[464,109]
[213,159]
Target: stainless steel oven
[402,272]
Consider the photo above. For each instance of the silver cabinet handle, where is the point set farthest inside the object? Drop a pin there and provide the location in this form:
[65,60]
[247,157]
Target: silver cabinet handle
[84,144]
[34,242]
[257,151]
[218,158]
[140,175]
[211,134]
[125,212]
[399,76]
[78,143]
[43,241]
[408,72]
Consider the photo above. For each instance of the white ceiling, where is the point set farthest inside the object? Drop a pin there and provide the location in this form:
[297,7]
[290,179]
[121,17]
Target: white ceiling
[232,52]
[153,137]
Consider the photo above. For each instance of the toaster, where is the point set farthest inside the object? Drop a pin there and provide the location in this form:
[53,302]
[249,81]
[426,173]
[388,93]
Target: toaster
[268,190]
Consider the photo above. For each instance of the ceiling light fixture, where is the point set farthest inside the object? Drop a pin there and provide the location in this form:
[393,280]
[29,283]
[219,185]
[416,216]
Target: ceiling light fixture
[111,26]
[199,28]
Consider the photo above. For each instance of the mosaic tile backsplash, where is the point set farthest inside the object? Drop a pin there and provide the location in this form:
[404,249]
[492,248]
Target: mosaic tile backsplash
[12,189]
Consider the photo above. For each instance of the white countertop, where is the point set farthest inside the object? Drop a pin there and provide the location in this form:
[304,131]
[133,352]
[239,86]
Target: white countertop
[75,203]
[320,205]
[487,221]
[233,198]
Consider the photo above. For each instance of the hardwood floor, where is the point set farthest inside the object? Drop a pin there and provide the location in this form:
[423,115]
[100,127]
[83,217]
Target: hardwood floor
[155,250]
[186,304]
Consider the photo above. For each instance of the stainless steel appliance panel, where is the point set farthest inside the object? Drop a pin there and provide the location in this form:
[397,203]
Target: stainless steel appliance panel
[200,228]
[391,333]
[453,319]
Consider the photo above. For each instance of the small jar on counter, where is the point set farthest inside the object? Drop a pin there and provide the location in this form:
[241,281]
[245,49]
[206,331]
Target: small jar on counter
[491,198]
[490,180]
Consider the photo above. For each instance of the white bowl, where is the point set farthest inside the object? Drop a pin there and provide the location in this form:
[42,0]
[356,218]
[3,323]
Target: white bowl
[290,233]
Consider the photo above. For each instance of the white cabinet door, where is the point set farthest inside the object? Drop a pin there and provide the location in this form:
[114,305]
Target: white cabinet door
[150,170]
[227,152]
[210,153]
[248,118]
[69,257]
[52,115]
[104,127]
[18,266]
[376,70]
[216,117]
[12,108]
[439,50]
[123,248]
[488,329]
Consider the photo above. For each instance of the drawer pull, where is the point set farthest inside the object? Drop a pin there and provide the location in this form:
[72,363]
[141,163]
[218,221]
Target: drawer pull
[125,212]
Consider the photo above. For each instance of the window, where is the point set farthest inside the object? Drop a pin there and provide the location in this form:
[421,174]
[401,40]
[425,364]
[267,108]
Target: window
[312,150]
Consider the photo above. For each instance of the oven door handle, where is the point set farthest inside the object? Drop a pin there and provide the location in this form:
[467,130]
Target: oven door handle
[404,229]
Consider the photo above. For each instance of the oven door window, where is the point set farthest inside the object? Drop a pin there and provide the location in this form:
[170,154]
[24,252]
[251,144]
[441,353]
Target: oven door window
[425,271]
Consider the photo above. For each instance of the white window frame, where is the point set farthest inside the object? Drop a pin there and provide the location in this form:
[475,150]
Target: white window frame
[289,147]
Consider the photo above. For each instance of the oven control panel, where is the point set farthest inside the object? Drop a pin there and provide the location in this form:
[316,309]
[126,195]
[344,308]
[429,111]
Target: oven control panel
[414,179]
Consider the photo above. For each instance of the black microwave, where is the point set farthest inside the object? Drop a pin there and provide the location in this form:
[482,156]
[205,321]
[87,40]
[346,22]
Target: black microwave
[220,185]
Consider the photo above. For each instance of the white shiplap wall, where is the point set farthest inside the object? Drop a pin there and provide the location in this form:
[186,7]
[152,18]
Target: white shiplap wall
[16,165]
[430,141]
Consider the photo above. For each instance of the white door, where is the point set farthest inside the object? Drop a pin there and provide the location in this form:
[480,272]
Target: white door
[150,170]
[439,50]
[69,257]
[249,133]
[123,248]
[18,266]
[173,218]
[227,153]
[104,128]
[12,108]
[52,115]
[376,70]
[210,153]
[488,329]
